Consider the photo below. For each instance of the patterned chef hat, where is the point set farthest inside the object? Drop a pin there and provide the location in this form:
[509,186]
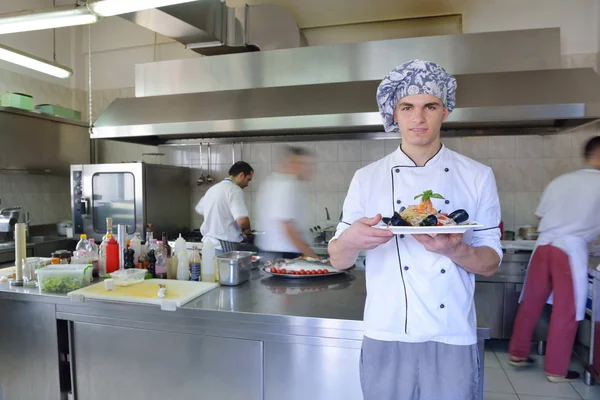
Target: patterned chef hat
[414,77]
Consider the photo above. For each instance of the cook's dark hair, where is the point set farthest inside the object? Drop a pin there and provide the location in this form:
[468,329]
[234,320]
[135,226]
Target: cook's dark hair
[591,147]
[240,167]
[298,151]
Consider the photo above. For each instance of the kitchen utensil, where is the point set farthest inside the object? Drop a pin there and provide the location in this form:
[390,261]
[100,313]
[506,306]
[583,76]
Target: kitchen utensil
[146,292]
[209,178]
[201,180]
[121,240]
[61,227]
[528,232]
[128,277]
[329,233]
[234,267]
[431,230]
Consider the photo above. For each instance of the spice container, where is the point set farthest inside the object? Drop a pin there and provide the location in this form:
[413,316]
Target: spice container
[64,256]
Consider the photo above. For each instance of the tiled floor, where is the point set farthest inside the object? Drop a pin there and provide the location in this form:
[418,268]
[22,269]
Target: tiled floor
[503,382]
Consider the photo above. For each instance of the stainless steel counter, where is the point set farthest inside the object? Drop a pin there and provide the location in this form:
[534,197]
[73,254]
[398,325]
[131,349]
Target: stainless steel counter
[252,341]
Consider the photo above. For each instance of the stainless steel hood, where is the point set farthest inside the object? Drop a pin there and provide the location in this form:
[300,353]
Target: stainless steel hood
[210,27]
[295,94]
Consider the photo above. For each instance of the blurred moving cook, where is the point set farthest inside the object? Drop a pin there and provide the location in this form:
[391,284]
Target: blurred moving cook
[283,209]
[224,209]
[420,323]
[557,272]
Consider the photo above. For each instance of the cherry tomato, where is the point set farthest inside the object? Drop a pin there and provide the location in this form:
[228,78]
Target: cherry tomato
[273,270]
[283,271]
[302,272]
[439,224]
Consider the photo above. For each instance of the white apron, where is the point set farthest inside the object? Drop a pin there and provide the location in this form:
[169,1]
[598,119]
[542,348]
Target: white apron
[577,250]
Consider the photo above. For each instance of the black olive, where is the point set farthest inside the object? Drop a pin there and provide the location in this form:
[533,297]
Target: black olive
[402,209]
[459,216]
[430,220]
[397,220]
[386,220]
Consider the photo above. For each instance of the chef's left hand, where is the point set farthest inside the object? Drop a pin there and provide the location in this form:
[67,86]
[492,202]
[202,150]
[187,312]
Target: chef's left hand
[443,244]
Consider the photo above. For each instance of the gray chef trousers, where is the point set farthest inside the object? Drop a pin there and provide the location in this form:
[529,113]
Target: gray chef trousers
[418,371]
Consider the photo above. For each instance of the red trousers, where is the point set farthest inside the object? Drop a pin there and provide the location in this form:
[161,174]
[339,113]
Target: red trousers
[549,271]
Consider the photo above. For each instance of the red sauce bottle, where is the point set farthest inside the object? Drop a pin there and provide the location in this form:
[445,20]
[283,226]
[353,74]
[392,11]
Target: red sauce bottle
[112,255]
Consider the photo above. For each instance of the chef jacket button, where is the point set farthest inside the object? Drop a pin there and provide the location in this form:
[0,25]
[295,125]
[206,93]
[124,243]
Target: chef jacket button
[401,236]
[442,306]
[447,202]
[398,201]
[443,271]
[405,268]
[446,169]
[397,170]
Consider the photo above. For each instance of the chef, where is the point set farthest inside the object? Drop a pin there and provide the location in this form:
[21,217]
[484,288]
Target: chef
[224,209]
[557,273]
[284,211]
[420,329]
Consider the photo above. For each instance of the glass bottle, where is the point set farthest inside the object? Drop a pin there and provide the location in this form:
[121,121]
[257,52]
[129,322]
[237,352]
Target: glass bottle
[195,264]
[128,254]
[109,229]
[161,260]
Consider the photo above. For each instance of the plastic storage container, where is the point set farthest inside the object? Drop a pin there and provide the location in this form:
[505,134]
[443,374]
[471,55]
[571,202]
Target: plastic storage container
[128,277]
[64,278]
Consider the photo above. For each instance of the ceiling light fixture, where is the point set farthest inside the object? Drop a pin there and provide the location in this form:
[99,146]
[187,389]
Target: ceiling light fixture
[38,64]
[108,8]
[39,20]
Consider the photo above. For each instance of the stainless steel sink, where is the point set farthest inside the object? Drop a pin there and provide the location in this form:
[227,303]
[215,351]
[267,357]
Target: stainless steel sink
[44,239]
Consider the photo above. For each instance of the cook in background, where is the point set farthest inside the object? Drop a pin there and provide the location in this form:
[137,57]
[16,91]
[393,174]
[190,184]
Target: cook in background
[557,273]
[224,209]
[420,307]
[283,209]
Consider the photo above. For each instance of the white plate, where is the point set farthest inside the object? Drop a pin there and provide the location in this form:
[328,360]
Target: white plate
[331,272]
[431,230]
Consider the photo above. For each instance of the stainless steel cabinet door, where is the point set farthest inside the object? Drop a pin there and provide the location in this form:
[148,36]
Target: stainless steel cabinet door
[120,363]
[28,351]
[489,300]
[301,372]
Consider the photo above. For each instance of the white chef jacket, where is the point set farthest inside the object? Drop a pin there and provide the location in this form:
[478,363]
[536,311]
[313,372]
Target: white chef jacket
[221,206]
[414,295]
[570,221]
[281,199]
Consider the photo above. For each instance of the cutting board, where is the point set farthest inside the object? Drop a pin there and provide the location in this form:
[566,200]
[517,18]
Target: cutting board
[146,292]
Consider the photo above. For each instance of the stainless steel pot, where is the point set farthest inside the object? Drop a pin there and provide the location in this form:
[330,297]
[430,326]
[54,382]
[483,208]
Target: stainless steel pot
[234,267]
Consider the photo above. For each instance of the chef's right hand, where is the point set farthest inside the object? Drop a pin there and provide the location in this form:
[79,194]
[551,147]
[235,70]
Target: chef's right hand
[362,236]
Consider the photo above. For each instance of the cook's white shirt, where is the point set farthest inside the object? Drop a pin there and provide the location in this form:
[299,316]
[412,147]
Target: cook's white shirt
[281,199]
[221,206]
[570,205]
[414,295]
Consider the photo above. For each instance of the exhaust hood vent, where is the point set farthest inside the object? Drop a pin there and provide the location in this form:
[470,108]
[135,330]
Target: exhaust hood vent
[210,27]
[508,83]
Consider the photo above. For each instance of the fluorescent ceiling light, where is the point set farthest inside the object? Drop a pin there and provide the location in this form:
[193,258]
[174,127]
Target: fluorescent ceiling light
[38,20]
[107,8]
[31,62]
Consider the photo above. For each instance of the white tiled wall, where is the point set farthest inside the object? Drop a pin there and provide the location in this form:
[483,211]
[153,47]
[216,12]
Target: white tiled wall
[46,198]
